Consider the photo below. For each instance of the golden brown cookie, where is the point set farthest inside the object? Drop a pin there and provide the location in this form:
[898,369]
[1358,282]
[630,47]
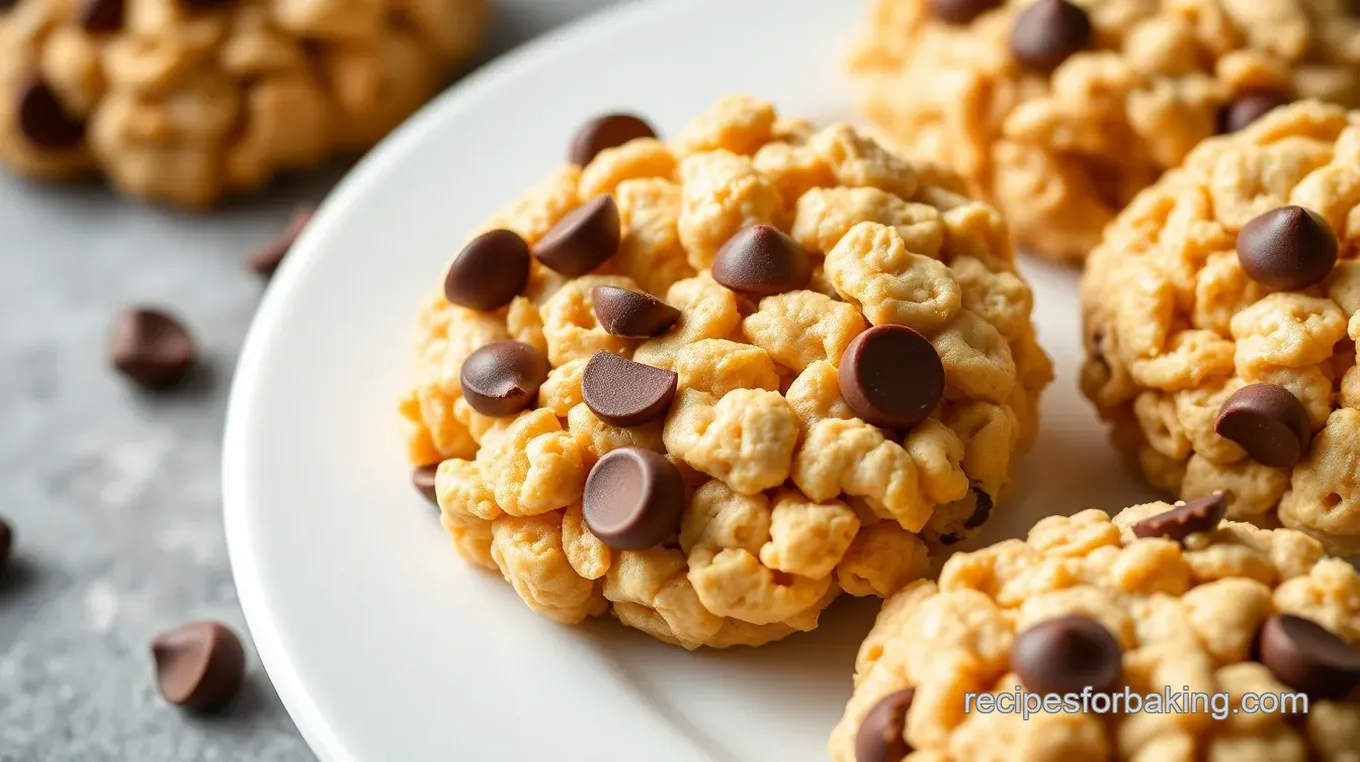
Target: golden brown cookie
[710,383]
[1220,325]
[1060,111]
[1229,642]
[187,101]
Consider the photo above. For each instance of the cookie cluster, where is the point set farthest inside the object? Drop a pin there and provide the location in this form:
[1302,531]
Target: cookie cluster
[186,101]
[1221,325]
[1060,111]
[709,384]
[1161,599]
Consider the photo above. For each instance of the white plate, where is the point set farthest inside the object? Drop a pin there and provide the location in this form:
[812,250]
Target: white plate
[384,646]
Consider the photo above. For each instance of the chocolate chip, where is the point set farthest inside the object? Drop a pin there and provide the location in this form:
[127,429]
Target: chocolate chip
[880,733]
[583,239]
[44,121]
[1287,248]
[150,347]
[626,393]
[1247,108]
[490,271]
[203,5]
[961,12]
[1309,658]
[6,543]
[608,131]
[634,499]
[1199,515]
[1048,32]
[423,479]
[1067,654]
[102,16]
[761,260]
[1268,422]
[267,258]
[634,314]
[502,378]
[7,4]
[891,376]
[982,506]
[199,666]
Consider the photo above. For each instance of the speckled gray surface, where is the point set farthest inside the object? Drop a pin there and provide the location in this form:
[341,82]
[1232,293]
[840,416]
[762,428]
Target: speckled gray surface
[115,496]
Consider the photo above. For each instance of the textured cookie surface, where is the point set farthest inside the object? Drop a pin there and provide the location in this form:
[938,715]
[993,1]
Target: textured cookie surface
[1060,112]
[562,409]
[1221,324]
[186,101]
[1141,602]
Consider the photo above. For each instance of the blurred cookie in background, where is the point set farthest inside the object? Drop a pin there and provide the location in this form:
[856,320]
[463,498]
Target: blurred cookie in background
[187,101]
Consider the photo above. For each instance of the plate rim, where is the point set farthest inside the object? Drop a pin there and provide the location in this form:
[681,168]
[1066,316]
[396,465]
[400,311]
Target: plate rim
[301,706]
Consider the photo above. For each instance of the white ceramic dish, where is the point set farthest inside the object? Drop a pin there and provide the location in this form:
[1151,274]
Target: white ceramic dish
[383,645]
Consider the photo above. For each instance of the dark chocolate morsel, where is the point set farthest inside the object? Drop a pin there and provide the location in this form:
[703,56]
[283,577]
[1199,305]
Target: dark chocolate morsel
[489,272]
[608,131]
[502,378]
[634,499]
[621,392]
[199,666]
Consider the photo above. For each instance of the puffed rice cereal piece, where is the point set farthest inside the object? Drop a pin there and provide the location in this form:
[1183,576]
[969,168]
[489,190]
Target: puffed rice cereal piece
[187,102]
[1060,111]
[625,410]
[1194,335]
[1113,605]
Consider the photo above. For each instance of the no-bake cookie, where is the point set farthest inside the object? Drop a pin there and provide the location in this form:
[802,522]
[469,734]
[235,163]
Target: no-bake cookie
[707,384]
[186,101]
[1221,318]
[1060,112]
[1162,599]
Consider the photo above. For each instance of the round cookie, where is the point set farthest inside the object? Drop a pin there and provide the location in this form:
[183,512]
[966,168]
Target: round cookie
[1220,325]
[1060,111]
[1162,600]
[684,318]
[186,101]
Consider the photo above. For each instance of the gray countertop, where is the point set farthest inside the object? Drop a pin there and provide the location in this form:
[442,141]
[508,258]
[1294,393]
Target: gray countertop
[115,496]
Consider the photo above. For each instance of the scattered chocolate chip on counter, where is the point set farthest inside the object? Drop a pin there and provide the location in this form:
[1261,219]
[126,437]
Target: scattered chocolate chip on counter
[199,666]
[151,347]
[265,260]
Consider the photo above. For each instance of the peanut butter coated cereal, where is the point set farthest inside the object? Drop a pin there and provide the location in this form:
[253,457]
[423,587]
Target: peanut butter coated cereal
[1221,325]
[1060,111]
[186,101]
[738,422]
[1160,599]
